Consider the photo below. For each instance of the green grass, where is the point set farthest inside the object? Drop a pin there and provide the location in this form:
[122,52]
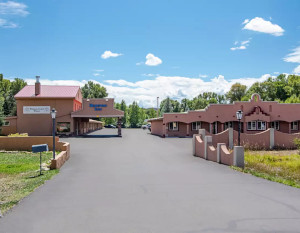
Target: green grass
[282,167]
[16,172]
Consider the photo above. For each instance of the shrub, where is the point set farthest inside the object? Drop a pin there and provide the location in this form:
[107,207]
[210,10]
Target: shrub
[297,143]
[18,135]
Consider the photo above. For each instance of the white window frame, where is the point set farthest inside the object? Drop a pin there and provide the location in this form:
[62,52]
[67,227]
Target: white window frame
[275,125]
[171,126]
[252,126]
[262,124]
[228,124]
[196,125]
[214,127]
[294,125]
[6,123]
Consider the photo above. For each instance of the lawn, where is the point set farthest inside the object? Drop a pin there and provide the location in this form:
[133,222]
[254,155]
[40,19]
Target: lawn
[19,176]
[278,166]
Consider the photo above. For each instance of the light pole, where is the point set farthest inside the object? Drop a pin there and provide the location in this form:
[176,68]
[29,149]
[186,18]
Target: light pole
[53,115]
[157,107]
[239,115]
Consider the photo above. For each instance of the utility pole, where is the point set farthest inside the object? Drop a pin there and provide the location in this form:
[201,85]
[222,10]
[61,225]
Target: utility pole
[157,108]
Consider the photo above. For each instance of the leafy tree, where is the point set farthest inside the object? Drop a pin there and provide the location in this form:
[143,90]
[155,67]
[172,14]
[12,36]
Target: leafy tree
[93,90]
[186,105]
[123,107]
[166,106]
[142,116]
[293,99]
[236,92]
[134,115]
[8,89]
[176,106]
[293,85]
[1,112]
[151,113]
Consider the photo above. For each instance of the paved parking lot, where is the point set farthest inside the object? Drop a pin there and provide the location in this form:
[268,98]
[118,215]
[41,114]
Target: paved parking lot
[145,184]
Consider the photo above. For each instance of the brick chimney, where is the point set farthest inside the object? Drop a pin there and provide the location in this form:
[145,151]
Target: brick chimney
[37,86]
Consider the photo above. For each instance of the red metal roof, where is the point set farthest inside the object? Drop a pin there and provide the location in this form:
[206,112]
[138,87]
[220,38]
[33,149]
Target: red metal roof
[48,91]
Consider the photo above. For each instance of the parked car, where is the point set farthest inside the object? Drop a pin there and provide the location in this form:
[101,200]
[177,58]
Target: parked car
[110,126]
[146,126]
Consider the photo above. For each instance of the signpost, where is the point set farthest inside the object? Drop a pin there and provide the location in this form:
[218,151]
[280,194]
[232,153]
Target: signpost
[40,148]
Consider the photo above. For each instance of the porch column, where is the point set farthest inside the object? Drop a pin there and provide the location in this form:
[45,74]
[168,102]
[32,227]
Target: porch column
[290,127]
[245,126]
[188,130]
[222,127]
[119,126]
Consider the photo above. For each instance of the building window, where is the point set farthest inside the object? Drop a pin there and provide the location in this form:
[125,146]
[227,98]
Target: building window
[261,125]
[228,124]
[294,125]
[214,127]
[251,125]
[256,125]
[6,123]
[196,125]
[63,127]
[275,125]
[173,126]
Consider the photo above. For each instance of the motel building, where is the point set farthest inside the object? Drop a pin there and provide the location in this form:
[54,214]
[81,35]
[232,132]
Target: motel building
[74,115]
[258,116]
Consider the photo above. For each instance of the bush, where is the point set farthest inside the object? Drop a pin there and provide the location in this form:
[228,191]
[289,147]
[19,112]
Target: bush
[297,143]
[18,135]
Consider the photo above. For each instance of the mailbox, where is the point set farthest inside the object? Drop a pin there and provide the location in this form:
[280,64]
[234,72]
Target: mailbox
[40,148]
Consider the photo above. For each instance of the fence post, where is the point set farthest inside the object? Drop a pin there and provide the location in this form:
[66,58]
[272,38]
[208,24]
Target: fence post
[238,156]
[272,138]
[194,144]
[202,133]
[230,139]
[219,151]
[207,139]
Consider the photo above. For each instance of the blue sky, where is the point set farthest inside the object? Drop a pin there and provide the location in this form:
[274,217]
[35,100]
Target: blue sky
[192,46]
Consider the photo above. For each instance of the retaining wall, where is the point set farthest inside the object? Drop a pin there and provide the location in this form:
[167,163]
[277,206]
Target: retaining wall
[25,144]
[253,141]
[284,140]
[204,148]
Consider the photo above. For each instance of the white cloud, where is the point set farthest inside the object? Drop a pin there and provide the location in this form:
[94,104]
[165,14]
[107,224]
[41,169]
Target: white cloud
[13,8]
[203,75]
[260,25]
[297,70]
[243,45]
[151,60]
[97,74]
[108,54]
[7,24]
[98,70]
[246,21]
[295,58]
[150,75]
[146,91]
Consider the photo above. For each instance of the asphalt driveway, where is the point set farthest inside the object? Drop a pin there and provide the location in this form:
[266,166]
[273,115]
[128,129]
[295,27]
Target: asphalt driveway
[142,183]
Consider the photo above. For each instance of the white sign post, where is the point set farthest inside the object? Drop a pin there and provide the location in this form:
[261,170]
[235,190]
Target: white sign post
[36,109]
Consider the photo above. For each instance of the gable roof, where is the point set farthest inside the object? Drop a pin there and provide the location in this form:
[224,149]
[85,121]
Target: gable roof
[49,91]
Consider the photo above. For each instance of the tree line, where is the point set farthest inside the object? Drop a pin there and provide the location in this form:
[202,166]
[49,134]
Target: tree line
[283,88]
[8,89]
